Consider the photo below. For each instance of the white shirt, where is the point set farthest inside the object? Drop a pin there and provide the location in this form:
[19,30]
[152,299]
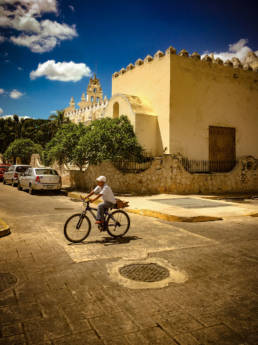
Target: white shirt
[106,193]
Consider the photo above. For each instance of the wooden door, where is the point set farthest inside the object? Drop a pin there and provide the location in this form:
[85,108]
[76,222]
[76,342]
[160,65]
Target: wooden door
[222,148]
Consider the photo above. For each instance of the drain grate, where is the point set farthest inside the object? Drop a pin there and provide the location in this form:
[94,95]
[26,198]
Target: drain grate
[144,272]
[7,280]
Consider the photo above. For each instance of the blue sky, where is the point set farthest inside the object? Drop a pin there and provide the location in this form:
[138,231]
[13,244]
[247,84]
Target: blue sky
[103,37]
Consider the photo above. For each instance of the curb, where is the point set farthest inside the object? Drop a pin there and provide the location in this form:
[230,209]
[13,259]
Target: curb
[4,228]
[171,218]
[159,215]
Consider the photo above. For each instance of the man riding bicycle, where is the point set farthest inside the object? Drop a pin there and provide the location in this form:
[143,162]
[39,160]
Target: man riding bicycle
[109,201]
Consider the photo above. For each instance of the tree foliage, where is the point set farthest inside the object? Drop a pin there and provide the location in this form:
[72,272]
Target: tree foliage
[61,147]
[109,139]
[104,139]
[38,130]
[22,148]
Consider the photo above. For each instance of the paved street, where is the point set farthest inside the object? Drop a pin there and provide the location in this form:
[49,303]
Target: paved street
[66,294]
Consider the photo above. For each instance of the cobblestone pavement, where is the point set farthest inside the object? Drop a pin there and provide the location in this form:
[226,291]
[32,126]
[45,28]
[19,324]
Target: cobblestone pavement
[65,295]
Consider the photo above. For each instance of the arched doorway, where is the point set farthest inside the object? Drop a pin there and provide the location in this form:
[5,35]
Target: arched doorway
[116,110]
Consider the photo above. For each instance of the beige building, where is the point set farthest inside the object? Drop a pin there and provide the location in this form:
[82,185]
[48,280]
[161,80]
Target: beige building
[204,109]
[91,106]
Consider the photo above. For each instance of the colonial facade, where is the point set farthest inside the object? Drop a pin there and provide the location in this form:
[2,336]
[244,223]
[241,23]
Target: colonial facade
[91,106]
[202,108]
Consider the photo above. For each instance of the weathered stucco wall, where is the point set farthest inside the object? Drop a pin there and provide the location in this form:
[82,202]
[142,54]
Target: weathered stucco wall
[150,81]
[142,118]
[167,175]
[207,94]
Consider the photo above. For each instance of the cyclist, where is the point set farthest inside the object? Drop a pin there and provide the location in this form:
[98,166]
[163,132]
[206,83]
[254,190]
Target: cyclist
[104,191]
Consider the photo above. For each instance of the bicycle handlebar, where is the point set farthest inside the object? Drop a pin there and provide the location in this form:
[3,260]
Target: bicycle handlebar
[87,201]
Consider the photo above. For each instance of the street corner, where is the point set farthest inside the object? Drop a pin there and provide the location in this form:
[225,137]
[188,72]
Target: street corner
[4,228]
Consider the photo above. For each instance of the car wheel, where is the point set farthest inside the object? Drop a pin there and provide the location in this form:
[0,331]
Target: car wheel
[19,186]
[13,183]
[4,182]
[31,191]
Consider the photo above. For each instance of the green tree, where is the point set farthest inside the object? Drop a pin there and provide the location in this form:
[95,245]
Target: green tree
[58,118]
[7,133]
[102,140]
[40,131]
[62,147]
[22,148]
[109,139]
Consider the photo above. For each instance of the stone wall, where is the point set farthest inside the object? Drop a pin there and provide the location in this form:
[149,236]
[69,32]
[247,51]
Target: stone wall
[167,175]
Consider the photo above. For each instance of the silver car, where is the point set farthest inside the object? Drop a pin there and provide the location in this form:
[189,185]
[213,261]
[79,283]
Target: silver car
[11,176]
[39,179]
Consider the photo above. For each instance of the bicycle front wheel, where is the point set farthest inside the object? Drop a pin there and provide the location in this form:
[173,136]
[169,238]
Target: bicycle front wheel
[77,228]
[118,223]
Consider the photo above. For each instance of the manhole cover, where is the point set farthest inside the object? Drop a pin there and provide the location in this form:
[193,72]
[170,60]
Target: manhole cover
[7,280]
[144,272]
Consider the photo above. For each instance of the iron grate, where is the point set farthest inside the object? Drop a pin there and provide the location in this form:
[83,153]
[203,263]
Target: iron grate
[144,272]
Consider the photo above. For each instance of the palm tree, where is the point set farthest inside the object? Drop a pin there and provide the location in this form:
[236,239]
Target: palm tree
[59,118]
[18,125]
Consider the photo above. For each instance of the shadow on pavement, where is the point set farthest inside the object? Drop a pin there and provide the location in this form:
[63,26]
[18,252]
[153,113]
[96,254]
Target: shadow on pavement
[107,241]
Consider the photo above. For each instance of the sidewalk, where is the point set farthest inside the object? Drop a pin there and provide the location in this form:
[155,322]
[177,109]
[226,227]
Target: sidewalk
[188,208]
[4,228]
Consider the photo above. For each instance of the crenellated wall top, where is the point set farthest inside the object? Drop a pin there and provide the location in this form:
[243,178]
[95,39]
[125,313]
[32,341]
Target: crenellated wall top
[234,63]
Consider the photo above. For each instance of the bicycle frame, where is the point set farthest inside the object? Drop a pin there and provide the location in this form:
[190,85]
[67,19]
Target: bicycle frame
[90,209]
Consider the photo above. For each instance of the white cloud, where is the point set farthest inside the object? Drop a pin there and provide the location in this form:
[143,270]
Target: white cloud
[72,8]
[1,91]
[35,43]
[238,50]
[1,111]
[2,38]
[61,31]
[38,36]
[20,117]
[15,94]
[32,7]
[20,68]
[62,71]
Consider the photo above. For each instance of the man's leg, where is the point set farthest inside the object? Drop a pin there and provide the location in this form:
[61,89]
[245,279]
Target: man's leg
[100,213]
[101,209]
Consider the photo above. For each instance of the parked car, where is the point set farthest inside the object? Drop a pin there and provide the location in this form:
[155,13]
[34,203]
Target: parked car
[12,174]
[3,169]
[39,179]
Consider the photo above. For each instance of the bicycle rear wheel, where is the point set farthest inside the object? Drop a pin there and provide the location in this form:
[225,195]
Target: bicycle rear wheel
[118,223]
[77,228]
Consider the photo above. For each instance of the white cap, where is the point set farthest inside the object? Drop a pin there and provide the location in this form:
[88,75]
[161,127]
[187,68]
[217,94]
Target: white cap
[101,179]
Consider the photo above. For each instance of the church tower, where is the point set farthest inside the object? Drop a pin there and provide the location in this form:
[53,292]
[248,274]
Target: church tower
[94,94]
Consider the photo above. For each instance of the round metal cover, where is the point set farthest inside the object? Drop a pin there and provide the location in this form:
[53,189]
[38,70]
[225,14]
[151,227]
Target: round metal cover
[150,272]
[7,280]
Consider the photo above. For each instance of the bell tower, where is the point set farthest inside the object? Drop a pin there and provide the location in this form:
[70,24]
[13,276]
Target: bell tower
[94,94]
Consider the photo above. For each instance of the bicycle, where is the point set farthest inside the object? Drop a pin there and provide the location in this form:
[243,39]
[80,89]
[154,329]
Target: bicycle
[77,227]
